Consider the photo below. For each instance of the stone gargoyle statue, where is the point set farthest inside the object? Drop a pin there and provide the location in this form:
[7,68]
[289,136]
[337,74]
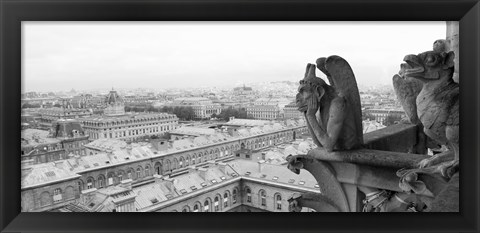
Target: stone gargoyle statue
[333,112]
[436,105]
[334,119]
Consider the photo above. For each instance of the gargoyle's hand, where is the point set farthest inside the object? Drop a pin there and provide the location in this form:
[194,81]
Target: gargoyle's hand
[294,164]
[312,107]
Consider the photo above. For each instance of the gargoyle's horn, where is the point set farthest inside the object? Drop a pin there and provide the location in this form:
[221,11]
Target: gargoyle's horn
[310,71]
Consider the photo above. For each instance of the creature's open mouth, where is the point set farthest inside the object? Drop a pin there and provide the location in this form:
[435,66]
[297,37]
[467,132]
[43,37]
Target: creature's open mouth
[412,66]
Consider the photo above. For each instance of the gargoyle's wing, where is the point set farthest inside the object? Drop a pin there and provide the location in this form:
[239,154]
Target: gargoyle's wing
[407,90]
[321,62]
[343,80]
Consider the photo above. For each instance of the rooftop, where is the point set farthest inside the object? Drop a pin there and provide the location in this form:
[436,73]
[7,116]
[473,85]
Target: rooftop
[35,137]
[105,144]
[193,131]
[40,174]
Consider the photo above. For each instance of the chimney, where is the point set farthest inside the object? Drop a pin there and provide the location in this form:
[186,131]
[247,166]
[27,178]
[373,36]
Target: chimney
[158,178]
[260,165]
[87,195]
[126,184]
[202,172]
[232,131]
[58,163]
[169,184]
[222,167]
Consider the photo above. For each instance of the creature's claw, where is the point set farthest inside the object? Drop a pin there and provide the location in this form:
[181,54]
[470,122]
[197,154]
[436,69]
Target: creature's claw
[448,169]
[437,159]
[428,162]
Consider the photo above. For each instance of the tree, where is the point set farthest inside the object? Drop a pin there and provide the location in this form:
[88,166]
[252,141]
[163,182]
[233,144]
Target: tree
[231,112]
[28,105]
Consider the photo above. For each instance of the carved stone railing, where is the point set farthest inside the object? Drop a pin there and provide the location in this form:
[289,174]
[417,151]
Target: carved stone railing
[343,176]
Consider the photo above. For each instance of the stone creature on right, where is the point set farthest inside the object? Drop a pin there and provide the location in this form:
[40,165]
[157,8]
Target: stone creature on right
[427,79]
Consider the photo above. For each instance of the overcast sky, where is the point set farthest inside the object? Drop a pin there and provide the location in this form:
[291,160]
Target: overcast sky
[90,55]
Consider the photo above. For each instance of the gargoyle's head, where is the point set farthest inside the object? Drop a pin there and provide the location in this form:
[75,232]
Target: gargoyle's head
[428,66]
[294,164]
[310,91]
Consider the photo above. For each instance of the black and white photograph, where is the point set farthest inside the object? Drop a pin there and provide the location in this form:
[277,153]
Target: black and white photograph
[258,116]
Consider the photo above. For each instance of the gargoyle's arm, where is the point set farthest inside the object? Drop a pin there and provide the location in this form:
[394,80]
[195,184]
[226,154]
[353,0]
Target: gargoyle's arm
[334,125]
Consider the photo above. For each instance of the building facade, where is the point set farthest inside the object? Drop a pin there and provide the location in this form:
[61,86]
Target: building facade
[116,124]
[141,162]
[382,114]
[65,137]
[291,111]
[131,127]
[202,107]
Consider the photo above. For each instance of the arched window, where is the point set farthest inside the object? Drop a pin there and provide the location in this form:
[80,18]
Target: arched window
[186,209]
[110,179]
[147,171]
[57,195]
[45,199]
[278,201]
[225,200]
[206,206]
[139,173]
[216,204]
[101,181]
[249,195]
[181,162]
[234,196]
[263,198]
[196,208]
[90,183]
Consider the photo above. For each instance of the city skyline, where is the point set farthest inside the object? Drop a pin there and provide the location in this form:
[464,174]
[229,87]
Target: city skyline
[157,55]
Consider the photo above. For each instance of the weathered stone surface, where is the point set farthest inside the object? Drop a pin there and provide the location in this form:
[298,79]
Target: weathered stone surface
[448,199]
[369,157]
[395,138]
[333,112]
[329,186]
[453,45]
[438,102]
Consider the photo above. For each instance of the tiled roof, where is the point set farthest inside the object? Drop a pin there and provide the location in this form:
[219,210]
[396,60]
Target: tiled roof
[184,184]
[193,131]
[107,144]
[35,137]
[269,171]
[40,174]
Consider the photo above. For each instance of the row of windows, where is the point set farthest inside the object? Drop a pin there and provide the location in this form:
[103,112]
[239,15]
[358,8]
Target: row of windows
[140,173]
[219,203]
[262,194]
[89,123]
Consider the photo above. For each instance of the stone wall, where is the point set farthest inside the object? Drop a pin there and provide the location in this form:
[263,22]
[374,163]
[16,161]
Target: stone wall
[452,43]
[42,198]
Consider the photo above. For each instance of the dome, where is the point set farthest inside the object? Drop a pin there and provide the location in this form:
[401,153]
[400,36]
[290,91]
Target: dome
[113,98]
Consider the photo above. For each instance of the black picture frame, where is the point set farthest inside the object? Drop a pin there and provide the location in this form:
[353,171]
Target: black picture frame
[13,12]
